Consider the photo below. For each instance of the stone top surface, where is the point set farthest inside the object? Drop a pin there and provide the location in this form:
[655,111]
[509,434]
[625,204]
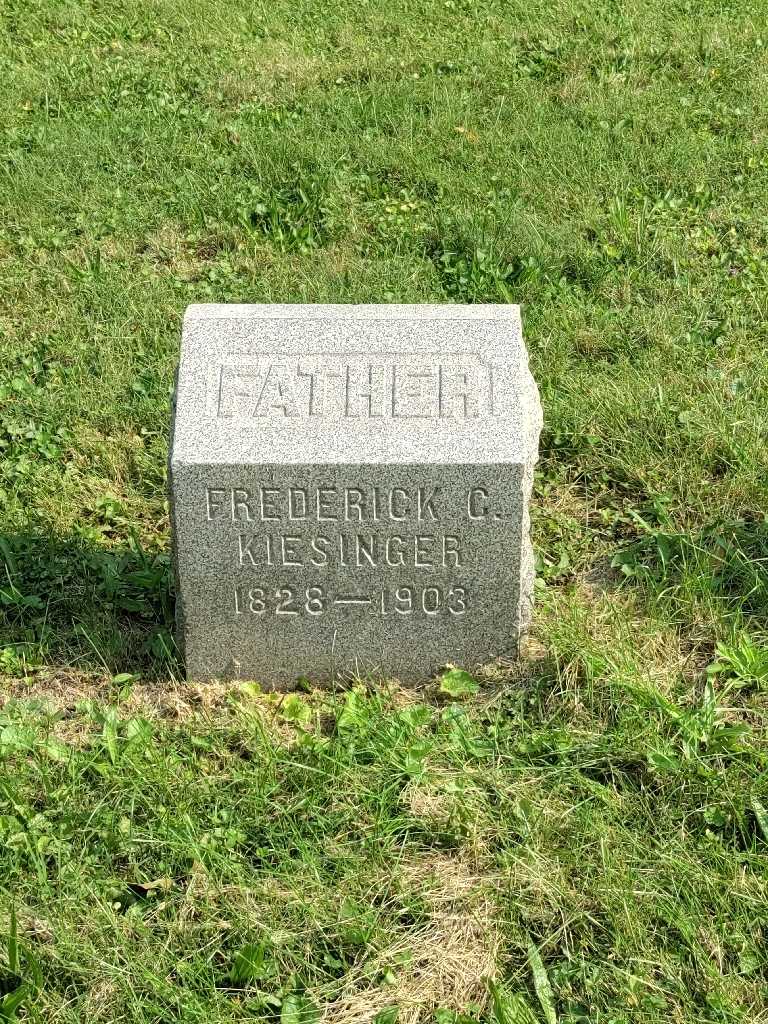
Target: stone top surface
[370,384]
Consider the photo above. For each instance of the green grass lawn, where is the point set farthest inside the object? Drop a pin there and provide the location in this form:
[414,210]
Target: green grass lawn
[586,838]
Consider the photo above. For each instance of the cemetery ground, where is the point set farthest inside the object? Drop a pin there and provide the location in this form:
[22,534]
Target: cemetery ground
[579,838]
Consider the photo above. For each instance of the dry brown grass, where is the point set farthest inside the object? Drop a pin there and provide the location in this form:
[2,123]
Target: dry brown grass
[65,689]
[445,963]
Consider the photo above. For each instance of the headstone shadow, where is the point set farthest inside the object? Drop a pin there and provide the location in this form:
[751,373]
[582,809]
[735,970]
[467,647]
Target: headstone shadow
[69,602]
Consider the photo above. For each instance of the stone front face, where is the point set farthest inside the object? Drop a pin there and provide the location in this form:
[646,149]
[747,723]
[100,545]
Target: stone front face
[350,489]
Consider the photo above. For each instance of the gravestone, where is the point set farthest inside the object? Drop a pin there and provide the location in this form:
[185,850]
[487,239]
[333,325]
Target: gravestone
[350,489]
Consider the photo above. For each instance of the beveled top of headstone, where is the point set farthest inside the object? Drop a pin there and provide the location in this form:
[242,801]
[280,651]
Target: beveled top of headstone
[367,384]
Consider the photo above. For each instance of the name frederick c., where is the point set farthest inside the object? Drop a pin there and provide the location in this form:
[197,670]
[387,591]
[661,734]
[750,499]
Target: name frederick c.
[414,507]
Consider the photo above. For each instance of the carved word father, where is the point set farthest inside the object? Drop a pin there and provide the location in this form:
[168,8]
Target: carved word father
[407,387]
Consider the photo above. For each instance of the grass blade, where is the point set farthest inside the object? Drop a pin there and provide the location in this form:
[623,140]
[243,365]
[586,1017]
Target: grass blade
[510,1007]
[541,984]
[761,816]
[13,944]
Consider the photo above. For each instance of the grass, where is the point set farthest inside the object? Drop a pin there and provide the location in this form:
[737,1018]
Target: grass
[583,840]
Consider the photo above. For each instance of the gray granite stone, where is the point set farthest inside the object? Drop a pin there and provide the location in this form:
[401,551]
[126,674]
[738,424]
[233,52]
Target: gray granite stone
[350,489]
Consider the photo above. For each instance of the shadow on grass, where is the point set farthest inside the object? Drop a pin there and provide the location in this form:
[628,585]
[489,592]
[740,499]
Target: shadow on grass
[725,563]
[72,603]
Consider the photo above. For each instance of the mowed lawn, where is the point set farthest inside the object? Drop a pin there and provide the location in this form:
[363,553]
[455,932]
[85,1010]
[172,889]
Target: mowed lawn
[584,840]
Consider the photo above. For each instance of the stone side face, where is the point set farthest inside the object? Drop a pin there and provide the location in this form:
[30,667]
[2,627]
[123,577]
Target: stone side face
[527,571]
[350,490]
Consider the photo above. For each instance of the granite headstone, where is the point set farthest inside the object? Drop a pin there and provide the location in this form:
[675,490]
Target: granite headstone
[350,489]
